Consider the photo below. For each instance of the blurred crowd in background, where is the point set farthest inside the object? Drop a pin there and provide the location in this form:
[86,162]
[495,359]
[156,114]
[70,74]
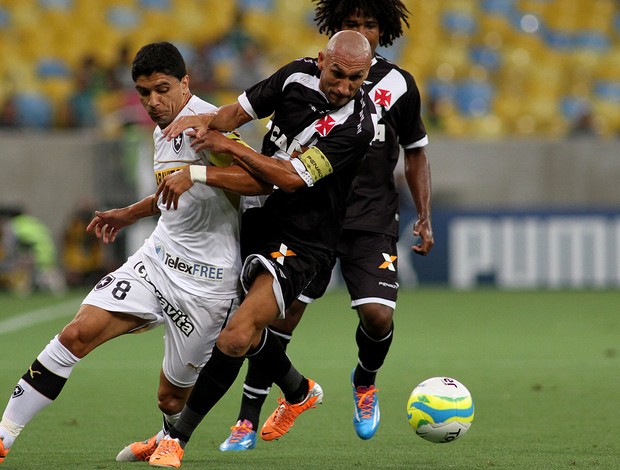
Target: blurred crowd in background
[488,68]
[30,260]
[485,68]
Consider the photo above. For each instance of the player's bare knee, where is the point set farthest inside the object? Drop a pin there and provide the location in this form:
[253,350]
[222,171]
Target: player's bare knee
[235,341]
[170,404]
[376,319]
[72,338]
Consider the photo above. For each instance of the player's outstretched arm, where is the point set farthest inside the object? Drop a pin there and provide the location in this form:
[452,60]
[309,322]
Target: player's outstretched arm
[274,171]
[226,118]
[418,176]
[108,224]
[232,178]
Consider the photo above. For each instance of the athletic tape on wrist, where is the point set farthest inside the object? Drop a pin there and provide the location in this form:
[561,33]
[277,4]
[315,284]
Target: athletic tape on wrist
[198,173]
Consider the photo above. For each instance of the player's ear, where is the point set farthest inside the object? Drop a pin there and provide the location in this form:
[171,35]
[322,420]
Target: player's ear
[320,60]
[185,83]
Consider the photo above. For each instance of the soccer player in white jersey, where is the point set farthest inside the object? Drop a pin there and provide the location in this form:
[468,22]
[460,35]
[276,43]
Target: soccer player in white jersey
[321,124]
[185,276]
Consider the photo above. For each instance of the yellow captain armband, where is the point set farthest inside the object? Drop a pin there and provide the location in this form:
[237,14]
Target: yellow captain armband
[224,159]
[316,163]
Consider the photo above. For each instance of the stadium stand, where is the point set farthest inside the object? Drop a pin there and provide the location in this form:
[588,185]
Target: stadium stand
[486,68]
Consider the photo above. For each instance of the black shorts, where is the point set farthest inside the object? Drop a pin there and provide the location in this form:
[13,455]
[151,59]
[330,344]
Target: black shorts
[292,274]
[262,246]
[369,266]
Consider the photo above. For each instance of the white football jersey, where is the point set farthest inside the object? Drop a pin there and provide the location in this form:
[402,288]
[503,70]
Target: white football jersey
[198,243]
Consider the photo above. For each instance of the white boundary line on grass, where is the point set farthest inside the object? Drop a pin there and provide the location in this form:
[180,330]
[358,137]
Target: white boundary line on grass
[39,315]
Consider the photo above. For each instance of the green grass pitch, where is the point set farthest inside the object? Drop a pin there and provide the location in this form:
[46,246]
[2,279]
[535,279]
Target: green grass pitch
[543,369]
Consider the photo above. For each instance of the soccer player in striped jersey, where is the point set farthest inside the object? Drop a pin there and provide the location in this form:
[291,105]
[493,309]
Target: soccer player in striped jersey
[321,125]
[367,247]
[185,276]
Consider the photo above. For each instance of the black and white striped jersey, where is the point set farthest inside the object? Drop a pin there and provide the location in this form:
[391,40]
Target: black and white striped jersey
[338,138]
[373,203]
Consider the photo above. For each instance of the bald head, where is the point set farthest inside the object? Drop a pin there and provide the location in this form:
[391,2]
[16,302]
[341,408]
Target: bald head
[344,66]
[351,44]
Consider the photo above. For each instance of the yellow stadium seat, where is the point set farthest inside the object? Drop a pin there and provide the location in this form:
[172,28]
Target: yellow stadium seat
[465,6]
[508,106]
[455,125]
[489,126]
[188,25]
[534,69]
[534,7]
[57,89]
[608,68]
[607,114]
[72,44]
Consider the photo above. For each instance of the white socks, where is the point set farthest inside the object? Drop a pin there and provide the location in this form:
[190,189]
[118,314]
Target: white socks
[170,421]
[26,401]
[58,359]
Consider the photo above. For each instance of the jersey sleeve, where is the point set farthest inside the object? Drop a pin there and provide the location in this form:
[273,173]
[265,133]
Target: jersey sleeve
[260,100]
[406,117]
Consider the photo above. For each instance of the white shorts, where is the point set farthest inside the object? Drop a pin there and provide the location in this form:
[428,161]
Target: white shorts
[192,323]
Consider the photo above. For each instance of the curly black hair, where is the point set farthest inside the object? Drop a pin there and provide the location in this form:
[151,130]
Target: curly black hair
[390,14]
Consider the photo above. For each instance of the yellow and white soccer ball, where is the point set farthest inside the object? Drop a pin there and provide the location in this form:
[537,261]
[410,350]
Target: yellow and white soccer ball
[440,409]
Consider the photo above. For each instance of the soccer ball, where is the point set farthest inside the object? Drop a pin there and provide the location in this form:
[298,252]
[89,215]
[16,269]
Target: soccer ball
[440,409]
